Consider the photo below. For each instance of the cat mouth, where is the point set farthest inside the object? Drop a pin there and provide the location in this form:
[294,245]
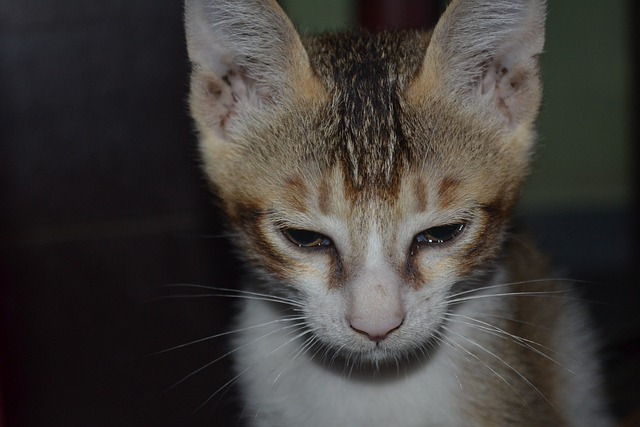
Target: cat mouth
[376,362]
[379,355]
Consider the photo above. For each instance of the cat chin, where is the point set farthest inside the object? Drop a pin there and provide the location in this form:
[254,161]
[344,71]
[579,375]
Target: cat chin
[377,357]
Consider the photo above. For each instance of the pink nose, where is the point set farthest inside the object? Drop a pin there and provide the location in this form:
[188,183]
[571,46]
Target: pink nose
[376,330]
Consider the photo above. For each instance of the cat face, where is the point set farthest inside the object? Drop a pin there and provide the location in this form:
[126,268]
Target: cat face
[373,263]
[367,176]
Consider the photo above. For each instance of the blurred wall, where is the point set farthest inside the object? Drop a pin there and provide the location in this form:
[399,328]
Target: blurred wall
[585,158]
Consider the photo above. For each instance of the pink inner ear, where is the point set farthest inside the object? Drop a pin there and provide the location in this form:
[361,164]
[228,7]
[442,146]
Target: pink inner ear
[238,82]
[489,79]
[218,100]
[222,97]
[499,82]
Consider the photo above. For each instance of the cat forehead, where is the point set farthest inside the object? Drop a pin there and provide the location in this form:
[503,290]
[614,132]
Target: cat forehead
[366,76]
[369,128]
[329,195]
[362,58]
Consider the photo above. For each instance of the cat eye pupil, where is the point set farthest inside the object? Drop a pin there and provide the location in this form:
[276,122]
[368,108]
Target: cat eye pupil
[306,238]
[439,234]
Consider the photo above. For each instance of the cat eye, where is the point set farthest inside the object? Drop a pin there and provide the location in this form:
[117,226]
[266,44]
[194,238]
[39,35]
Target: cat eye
[306,238]
[439,234]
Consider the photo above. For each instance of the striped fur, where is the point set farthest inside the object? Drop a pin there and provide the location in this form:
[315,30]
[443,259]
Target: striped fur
[374,141]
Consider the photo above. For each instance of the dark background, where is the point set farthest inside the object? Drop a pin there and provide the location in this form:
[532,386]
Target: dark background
[102,202]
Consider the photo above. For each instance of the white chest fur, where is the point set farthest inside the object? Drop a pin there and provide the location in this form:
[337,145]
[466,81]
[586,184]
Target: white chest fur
[286,384]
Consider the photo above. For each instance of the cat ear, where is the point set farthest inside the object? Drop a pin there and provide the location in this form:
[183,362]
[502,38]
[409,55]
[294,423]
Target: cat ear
[487,51]
[245,56]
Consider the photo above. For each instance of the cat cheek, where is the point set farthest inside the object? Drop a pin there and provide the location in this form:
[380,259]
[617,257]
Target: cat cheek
[312,277]
[428,272]
[418,276]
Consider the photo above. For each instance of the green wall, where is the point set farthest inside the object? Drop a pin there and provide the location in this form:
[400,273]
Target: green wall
[584,156]
[583,159]
[314,16]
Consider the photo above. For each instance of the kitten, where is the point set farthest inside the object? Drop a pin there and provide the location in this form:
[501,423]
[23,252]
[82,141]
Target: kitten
[368,181]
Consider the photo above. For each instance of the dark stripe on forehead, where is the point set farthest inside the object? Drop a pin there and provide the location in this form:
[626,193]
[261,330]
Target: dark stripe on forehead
[324,197]
[447,191]
[421,195]
[297,193]
[367,75]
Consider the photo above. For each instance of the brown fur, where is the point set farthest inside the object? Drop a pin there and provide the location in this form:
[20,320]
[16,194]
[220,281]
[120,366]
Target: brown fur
[421,196]
[447,192]
[297,194]
[535,404]
[369,140]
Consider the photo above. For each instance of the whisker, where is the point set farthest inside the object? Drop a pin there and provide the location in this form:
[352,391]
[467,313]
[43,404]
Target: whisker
[501,333]
[200,369]
[460,347]
[319,347]
[303,349]
[269,298]
[305,344]
[317,344]
[222,334]
[501,360]
[519,283]
[519,321]
[230,293]
[439,337]
[235,378]
[545,294]
[335,354]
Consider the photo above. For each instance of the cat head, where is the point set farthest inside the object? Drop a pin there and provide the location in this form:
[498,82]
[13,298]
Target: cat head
[368,174]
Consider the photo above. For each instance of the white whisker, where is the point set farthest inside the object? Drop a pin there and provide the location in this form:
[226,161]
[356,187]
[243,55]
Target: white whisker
[501,333]
[235,331]
[303,349]
[462,348]
[443,342]
[546,294]
[200,369]
[227,293]
[518,283]
[235,378]
[505,363]
[510,319]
